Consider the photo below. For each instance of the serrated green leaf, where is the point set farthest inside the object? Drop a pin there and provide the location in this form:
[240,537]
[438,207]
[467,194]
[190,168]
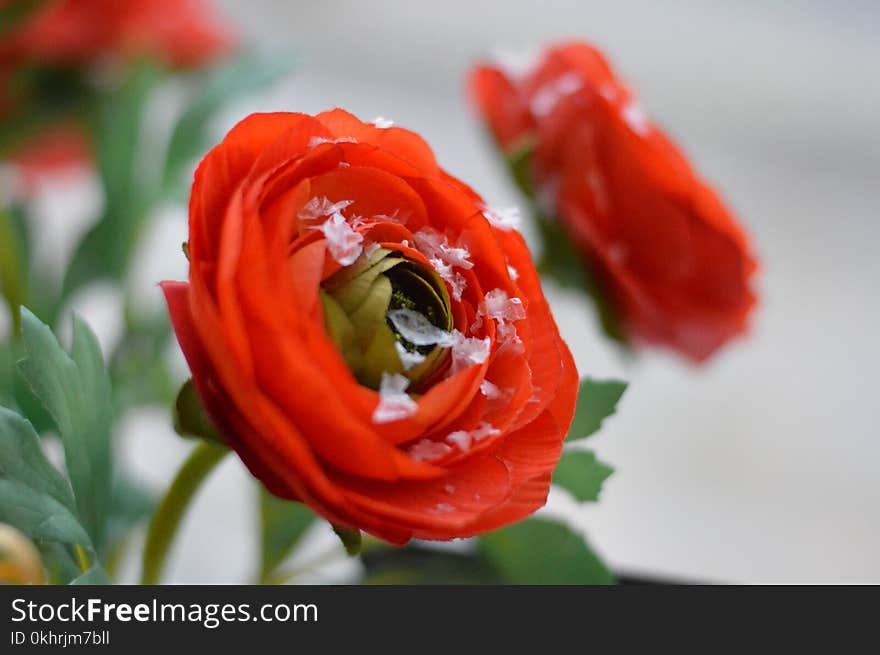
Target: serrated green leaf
[282,525]
[597,400]
[75,390]
[581,474]
[542,552]
[22,459]
[39,515]
[232,79]
[96,575]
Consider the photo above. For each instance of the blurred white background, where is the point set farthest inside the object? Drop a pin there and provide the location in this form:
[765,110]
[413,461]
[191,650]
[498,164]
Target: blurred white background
[760,467]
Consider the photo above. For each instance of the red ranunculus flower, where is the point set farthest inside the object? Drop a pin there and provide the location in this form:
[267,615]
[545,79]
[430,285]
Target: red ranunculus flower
[667,253]
[77,32]
[366,334]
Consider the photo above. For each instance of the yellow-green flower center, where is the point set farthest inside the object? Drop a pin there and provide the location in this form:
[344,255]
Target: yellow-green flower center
[368,307]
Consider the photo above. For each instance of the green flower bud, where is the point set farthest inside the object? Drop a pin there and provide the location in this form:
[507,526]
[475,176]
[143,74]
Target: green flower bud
[356,302]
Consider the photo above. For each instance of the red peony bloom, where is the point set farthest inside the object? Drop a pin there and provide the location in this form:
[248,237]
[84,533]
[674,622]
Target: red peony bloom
[668,255]
[77,32]
[366,334]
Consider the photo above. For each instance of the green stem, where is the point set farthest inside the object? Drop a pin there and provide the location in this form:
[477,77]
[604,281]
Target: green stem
[173,507]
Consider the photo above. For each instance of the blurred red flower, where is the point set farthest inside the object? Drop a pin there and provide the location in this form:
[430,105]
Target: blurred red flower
[666,252]
[184,33]
[366,334]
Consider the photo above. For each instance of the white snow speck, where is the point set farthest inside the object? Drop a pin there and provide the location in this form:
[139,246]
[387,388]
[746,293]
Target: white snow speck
[393,217]
[490,390]
[636,119]
[408,359]
[513,273]
[435,245]
[608,91]
[371,248]
[320,207]
[548,95]
[382,123]
[394,402]
[504,311]
[417,329]
[425,450]
[506,218]
[449,488]
[454,279]
[443,508]
[316,141]
[468,351]
[343,242]
[464,439]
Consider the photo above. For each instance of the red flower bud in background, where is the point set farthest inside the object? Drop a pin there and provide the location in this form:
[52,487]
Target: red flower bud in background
[366,334]
[184,33]
[668,256]
[47,53]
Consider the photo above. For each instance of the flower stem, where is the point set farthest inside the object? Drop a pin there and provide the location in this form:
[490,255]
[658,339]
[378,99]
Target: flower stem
[172,509]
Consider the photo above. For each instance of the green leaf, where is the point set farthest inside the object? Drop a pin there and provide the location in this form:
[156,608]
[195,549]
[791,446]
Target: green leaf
[13,266]
[15,12]
[190,418]
[581,474]
[96,575]
[39,515]
[416,565]
[231,80]
[130,504]
[282,525]
[541,552]
[597,400]
[350,538]
[106,249]
[75,390]
[22,459]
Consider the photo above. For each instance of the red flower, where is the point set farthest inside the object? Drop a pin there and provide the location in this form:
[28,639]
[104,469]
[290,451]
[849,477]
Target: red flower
[667,253]
[368,337]
[77,32]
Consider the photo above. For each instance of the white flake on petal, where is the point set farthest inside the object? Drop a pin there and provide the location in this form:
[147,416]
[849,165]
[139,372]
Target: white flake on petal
[443,508]
[417,329]
[468,351]
[506,218]
[435,245]
[382,123]
[513,273]
[371,248]
[453,278]
[636,119]
[316,141]
[394,403]
[321,207]
[464,439]
[343,242]
[505,311]
[551,93]
[408,359]
[426,450]
[490,390]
